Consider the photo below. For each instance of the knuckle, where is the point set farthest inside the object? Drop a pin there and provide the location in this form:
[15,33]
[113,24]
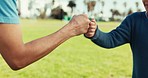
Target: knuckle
[90,34]
[92,31]
[85,15]
[93,27]
[88,21]
[74,15]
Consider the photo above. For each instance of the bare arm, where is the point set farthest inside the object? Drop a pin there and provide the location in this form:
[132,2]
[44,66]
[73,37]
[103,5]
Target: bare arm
[18,55]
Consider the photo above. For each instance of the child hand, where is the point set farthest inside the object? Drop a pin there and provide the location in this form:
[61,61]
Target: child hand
[92,28]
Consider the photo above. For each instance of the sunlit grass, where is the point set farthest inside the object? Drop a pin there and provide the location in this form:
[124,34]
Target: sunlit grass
[76,58]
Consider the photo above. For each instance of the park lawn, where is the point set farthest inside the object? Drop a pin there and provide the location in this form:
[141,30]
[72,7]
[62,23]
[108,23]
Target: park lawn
[78,57]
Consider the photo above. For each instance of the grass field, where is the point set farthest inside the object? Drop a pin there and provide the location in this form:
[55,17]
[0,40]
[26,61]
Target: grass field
[76,58]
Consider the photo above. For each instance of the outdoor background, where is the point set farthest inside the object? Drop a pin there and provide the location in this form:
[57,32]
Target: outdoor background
[78,57]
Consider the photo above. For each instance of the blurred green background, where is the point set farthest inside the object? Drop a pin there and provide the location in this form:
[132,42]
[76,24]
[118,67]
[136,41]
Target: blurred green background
[76,58]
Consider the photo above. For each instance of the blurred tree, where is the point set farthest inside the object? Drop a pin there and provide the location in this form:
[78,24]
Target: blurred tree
[91,5]
[53,1]
[125,5]
[115,13]
[19,7]
[71,4]
[30,5]
[85,2]
[43,13]
[58,13]
[90,8]
[114,3]
[102,4]
[130,11]
[137,6]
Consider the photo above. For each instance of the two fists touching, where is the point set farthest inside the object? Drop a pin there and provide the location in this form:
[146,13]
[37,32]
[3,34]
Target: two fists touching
[18,54]
[80,24]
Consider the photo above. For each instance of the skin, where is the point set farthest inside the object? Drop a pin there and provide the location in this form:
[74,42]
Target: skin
[93,26]
[145,3]
[18,54]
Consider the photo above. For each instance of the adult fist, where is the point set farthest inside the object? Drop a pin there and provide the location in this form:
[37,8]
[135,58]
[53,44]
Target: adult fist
[78,25]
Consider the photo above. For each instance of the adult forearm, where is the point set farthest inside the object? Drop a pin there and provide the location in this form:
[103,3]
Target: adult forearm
[37,49]
[18,55]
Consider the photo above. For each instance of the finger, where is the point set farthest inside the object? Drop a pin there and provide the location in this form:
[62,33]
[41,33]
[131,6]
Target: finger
[91,30]
[92,23]
[93,19]
[89,34]
[88,21]
[92,27]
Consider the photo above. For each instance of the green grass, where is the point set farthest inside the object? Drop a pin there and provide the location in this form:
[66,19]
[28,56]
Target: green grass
[76,58]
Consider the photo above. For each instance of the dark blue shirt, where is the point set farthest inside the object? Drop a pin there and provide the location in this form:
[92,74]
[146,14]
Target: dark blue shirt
[133,30]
